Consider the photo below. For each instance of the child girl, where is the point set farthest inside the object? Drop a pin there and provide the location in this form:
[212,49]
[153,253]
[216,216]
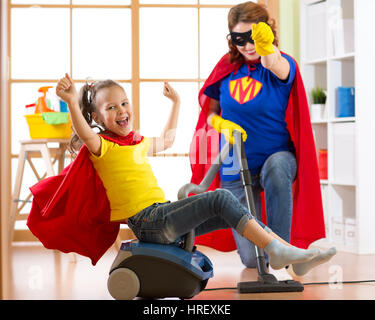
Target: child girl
[132,190]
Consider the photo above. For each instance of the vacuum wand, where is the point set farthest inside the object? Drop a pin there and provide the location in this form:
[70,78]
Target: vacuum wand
[184,191]
[245,174]
[266,282]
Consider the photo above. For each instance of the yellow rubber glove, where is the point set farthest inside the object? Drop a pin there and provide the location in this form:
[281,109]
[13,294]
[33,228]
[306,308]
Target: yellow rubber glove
[226,127]
[263,38]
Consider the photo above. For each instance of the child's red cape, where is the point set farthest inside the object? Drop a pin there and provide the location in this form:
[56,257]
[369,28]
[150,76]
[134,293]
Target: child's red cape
[307,220]
[70,211]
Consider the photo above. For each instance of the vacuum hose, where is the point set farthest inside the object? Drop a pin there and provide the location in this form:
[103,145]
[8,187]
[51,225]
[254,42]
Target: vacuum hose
[188,188]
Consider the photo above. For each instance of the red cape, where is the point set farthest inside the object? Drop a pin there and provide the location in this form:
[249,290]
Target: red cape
[71,212]
[307,220]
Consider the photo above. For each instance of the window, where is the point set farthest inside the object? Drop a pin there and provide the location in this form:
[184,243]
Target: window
[138,43]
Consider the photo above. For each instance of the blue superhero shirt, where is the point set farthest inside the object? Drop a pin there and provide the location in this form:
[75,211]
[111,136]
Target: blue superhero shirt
[254,98]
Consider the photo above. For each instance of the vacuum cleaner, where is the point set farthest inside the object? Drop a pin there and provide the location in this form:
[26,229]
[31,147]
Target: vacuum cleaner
[266,282]
[150,270]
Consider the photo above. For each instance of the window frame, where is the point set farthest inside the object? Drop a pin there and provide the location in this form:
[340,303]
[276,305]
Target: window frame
[135,80]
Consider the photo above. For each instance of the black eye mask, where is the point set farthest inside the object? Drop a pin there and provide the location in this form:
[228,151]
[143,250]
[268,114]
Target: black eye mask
[241,38]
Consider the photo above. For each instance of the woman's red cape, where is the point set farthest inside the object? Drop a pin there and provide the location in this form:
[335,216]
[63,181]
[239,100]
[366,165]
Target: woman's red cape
[307,221]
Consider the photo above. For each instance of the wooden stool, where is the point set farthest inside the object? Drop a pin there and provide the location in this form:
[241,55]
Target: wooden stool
[36,148]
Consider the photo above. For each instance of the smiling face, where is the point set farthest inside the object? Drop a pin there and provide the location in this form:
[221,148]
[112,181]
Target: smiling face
[113,110]
[248,50]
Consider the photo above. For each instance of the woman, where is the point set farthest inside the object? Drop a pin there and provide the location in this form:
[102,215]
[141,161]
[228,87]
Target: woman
[257,89]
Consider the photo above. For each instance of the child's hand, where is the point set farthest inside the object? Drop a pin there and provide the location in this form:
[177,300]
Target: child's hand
[66,90]
[170,93]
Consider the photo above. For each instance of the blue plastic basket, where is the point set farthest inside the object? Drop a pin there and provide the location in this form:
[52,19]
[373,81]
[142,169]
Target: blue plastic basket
[345,102]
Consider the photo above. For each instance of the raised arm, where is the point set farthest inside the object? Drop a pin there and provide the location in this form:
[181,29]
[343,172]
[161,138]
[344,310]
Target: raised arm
[168,134]
[277,64]
[66,90]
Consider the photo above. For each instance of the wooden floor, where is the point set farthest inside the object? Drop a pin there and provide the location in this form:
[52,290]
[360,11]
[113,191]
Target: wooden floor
[38,273]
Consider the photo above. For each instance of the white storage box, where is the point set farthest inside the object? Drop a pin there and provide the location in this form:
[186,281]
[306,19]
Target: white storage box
[337,230]
[343,37]
[350,234]
[344,153]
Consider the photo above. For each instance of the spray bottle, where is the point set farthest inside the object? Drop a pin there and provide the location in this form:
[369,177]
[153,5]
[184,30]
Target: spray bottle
[41,105]
[30,108]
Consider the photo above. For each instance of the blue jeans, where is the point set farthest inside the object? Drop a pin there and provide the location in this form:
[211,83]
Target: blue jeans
[276,178]
[168,222]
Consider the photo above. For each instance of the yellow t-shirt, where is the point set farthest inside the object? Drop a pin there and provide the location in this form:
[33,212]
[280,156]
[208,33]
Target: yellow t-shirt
[127,177]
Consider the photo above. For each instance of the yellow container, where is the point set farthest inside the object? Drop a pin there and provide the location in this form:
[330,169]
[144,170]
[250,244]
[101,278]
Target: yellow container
[39,129]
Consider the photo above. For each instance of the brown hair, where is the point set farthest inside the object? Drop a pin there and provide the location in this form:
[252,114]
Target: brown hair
[87,96]
[247,12]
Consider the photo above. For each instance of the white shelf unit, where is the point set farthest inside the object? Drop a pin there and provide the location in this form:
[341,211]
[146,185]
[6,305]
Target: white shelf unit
[332,58]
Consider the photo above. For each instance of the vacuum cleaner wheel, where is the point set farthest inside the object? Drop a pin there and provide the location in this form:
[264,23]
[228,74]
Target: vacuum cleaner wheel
[123,284]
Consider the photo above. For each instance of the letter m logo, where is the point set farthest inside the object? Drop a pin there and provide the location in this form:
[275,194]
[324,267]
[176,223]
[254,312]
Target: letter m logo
[244,89]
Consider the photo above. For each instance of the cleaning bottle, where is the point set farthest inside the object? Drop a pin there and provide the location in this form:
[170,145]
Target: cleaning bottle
[63,106]
[30,108]
[41,105]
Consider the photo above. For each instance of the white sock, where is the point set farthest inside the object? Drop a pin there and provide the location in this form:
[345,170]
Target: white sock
[281,255]
[300,269]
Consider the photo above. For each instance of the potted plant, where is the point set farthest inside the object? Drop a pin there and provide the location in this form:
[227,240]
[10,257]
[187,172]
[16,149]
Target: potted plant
[317,110]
